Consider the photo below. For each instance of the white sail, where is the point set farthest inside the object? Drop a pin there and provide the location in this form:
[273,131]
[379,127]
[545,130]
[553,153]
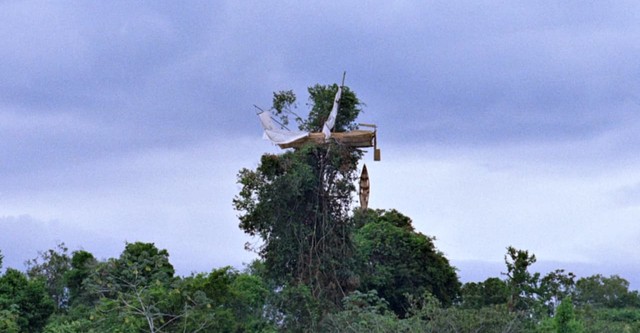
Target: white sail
[331,121]
[277,135]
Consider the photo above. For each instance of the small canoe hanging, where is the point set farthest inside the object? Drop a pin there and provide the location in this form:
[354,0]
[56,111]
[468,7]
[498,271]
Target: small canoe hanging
[364,188]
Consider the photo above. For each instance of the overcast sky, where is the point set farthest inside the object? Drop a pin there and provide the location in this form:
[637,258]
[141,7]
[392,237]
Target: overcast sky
[501,123]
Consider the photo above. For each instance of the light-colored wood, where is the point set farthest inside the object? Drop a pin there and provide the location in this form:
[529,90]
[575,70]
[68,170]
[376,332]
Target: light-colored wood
[355,138]
[364,188]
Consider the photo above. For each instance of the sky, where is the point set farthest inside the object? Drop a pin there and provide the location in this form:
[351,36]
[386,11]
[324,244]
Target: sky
[500,123]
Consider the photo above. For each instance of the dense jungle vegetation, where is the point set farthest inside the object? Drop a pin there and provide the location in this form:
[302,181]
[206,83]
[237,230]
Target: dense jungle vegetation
[139,292]
[324,266]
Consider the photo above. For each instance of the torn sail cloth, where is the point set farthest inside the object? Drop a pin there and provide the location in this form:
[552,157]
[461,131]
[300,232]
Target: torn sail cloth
[331,121]
[277,135]
[282,136]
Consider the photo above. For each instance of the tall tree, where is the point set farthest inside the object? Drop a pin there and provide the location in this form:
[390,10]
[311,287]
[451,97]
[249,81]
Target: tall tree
[522,284]
[82,265]
[554,287]
[298,202]
[51,266]
[136,288]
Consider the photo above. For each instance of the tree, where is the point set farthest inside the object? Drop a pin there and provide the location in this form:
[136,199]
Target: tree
[428,315]
[9,319]
[522,284]
[235,301]
[138,292]
[398,261]
[493,291]
[364,312]
[565,319]
[600,291]
[82,265]
[51,266]
[24,302]
[320,101]
[298,203]
[144,263]
[554,287]
[135,290]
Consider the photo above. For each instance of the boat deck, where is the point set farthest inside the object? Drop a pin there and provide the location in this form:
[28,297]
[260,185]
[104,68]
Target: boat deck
[355,138]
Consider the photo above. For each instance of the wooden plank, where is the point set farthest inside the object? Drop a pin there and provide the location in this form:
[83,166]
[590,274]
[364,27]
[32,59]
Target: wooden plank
[355,138]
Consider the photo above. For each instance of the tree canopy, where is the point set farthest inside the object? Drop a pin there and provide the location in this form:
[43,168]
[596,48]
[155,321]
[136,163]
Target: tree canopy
[227,300]
[320,103]
[397,261]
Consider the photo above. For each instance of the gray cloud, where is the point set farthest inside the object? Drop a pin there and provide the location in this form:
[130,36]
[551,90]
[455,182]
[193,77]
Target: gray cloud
[21,238]
[460,72]
[179,199]
[114,116]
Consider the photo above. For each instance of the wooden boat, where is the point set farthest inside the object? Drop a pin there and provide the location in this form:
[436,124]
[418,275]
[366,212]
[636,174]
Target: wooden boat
[296,139]
[364,188]
[355,138]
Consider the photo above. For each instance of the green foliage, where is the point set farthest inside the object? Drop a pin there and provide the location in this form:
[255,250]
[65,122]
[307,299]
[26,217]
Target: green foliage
[296,309]
[492,291]
[51,266]
[26,299]
[139,292]
[565,319]
[82,265]
[298,203]
[363,312]
[428,315]
[366,312]
[522,284]
[9,319]
[69,327]
[530,294]
[398,261]
[133,298]
[233,301]
[144,263]
[74,326]
[321,101]
[554,287]
[613,320]
[250,294]
[600,291]
[284,102]
[78,319]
